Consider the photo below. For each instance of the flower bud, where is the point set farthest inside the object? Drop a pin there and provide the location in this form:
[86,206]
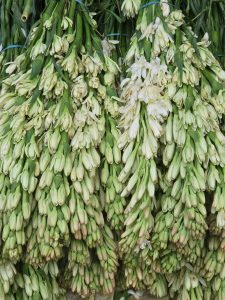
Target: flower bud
[32,184]
[61,195]
[25,179]
[54,194]
[52,216]
[38,48]
[54,140]
[68,165]
[130,8]
[79,89]
[5,145]
[16,171]
[8,164]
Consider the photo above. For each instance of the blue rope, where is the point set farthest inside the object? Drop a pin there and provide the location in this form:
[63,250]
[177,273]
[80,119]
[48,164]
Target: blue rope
[117,34]
[156,2]
[80,1]
[149,3]
[12,47]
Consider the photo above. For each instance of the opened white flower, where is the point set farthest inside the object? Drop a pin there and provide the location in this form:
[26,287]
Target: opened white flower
[159,109]
[108,46]
[140,68]
[133,131]
[66,22]
[150,93]
[205,42]
[149,31]
[57,44]
[165,8]
[80,88]
[158,70]
[162,39]
[130,89]
[92,64]
[130,7]
[38,48]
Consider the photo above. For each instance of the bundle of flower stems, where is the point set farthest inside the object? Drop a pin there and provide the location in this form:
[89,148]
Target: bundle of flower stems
[109,179]
[115,28]
[17,18]
[173,154]
[53,122]
[208,16]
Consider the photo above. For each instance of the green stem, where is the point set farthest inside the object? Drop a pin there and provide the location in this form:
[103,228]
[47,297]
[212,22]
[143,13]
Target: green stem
[27,10]
[8,5]
[79,32]
[49,10]
[88,37]
[5,27]
[72,11]
[59,14]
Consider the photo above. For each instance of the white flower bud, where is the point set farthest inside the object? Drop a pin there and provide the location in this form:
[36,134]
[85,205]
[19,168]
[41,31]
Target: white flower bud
[130,7]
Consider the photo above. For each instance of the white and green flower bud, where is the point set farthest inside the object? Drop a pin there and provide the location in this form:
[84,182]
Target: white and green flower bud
[61,195]
[15,171]
[79,89]
[68,165]
[38,48]
[6,145]
[25,177]
[130,8]
[54,140]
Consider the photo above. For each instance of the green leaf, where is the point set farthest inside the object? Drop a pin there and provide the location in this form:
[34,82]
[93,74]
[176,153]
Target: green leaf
[178,57]
[190,98]
[37,66]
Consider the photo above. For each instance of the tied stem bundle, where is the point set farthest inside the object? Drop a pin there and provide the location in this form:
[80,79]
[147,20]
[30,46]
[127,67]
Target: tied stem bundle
[173,150]
[53,101]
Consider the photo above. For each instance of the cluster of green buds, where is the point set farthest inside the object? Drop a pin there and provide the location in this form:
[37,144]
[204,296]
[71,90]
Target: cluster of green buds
[139,276]
[111,196]
[15,213]
[216,178]
[185,284]
[7,278]
[194,143]
[145,107]
[211,262]
[173,97]
[92,271]
[141,118]
[52,134]
[25,282]
[38,283]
